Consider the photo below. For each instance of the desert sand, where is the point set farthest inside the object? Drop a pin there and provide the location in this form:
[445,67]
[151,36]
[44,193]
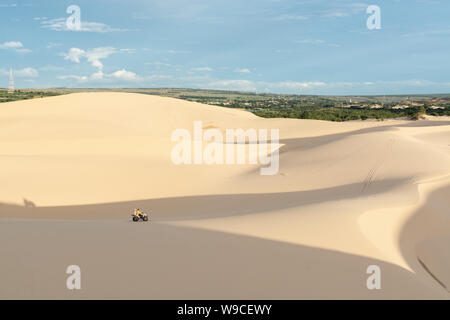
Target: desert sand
[347,196]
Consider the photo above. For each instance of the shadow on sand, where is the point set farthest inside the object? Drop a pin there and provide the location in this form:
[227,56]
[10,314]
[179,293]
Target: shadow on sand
[160,261]
[203,206]
[425,239]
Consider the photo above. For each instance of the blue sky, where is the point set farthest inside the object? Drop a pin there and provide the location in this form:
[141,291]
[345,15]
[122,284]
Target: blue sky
[281,46]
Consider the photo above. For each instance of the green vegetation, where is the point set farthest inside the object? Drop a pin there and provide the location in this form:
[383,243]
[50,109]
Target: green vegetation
[5,96]
[317,107]
[337,114]
[330,108]
[420,113]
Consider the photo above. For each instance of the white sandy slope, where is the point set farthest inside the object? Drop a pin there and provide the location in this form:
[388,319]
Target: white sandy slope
[347,196]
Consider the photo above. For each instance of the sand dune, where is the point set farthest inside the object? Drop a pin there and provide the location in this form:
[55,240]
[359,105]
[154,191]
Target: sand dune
[347,196]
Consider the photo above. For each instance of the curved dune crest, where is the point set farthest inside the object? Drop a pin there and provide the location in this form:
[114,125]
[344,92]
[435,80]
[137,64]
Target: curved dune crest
[347,196]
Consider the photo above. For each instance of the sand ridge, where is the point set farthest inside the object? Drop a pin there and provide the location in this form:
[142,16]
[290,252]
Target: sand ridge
[347,195]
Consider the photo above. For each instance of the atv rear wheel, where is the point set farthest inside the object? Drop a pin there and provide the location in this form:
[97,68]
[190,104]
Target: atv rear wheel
[135,219]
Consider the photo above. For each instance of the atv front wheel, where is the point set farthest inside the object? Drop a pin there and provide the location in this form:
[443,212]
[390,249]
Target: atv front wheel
[135,219]
[145,218]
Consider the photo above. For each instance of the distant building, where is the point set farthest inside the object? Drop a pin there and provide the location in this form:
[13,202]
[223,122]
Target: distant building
[11,81]
[401,106]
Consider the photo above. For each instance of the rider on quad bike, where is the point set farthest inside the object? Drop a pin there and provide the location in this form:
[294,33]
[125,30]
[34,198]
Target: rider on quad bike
[138,215]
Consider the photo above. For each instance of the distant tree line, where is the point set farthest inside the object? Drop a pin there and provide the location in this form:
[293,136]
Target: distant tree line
[348,114]
[5,96]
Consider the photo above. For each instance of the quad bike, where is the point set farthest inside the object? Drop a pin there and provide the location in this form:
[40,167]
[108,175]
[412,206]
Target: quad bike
[142,216]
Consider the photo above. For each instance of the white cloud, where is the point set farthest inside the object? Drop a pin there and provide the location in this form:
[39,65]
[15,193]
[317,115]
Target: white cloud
[78,78]
[124,75]
[244,70]
[241,85]
[23,50]
[11,45]
[345,9]
[293,85]
[284,17]
[159,63]
[27,73]
[22,73]
[172,51]
[101,77]
[125,78]
[336,14]
[311,41]
[317,42]
[74,55]
[53,45]
[248,85]
[93,56]
[8,5]
[202,69]
[59,24]
[14,45]
[128,50]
